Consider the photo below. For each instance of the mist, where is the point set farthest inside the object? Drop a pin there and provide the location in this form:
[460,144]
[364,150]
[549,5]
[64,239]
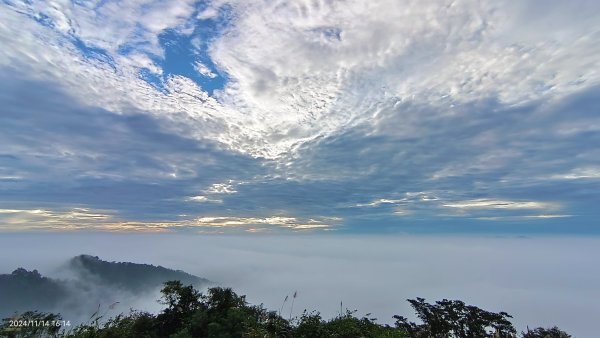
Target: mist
[540,281]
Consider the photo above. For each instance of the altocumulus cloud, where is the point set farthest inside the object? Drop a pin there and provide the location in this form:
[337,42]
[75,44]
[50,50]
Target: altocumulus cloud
[349,116]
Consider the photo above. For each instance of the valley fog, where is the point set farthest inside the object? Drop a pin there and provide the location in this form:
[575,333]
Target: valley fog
[540,281]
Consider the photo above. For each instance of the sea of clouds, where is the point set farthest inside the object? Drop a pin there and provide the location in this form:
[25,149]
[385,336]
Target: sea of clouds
[541,281]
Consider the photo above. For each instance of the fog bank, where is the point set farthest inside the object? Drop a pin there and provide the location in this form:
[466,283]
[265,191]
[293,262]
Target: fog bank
[540,281]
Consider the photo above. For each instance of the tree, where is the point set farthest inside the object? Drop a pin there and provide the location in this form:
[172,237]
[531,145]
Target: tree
[539,332]
[452,318]
[179,298]
[311,325]
[221,313]
[182,302]
[349,326]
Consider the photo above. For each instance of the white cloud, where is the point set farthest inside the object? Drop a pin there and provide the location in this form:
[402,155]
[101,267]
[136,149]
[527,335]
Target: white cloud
[203,199]
[580,173]
[101,220]
[204,70]
[499,204]
[198,198]
[11,178]
[281,221]
[547,216]
[521,218]
[409,197]
[420,96]
[379,202]
[111,24]
[429,203]
[222,188]
[47,219]
[208,13]
[300,71]
[441,53]
[402,212]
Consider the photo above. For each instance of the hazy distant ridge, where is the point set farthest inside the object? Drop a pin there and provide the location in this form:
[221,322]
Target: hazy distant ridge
[85,282]
[22,290]
[133,277]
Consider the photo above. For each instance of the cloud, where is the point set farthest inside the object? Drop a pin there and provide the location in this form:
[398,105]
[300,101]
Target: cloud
[505,154]
[298,72]
[110,25]
[107,220]
[499,204]
[68,155]
[379,202]
[438,53]
[322,109]
[541,281]
[366,172]
[198,198]
[205,71]
[222,188]
[203,199]
[521,218]
[580,173]
[43,219]
[281,221]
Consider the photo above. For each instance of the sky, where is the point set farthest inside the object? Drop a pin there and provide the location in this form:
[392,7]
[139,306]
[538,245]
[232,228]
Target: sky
[300,116]
[356,151]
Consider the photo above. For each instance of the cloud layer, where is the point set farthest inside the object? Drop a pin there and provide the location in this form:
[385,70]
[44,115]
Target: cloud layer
[541,281]
[324,113]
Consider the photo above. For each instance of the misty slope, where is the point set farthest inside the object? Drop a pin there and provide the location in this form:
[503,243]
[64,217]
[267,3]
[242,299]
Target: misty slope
[86,283]
[128,276]
[25,290]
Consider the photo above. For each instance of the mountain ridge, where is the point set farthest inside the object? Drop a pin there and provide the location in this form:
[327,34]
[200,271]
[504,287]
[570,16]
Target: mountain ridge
[86,282]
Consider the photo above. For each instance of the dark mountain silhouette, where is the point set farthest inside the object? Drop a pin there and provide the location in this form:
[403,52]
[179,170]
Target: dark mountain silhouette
[84,284]
[25,290]
[128,276]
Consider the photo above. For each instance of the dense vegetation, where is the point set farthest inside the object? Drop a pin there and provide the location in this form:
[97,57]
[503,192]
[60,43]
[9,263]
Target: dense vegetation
[221,313]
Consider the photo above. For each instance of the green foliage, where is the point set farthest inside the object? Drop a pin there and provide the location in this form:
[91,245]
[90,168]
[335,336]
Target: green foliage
[349,326]
[452,318]
[221,313]
[311,325]
[553,332]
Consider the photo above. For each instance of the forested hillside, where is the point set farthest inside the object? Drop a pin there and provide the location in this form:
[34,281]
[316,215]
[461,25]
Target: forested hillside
[83,282]
[220,312]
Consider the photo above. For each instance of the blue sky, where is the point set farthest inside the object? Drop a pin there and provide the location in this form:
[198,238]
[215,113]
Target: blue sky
[294,116]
